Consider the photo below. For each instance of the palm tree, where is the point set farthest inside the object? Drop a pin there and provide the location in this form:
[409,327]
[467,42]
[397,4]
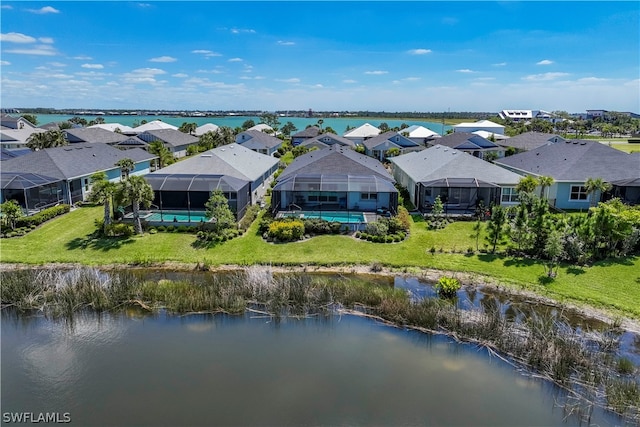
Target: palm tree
[102,191]
[137,192]
[48,139]
[164,155]
[544,182]
[592,186]
[527,184]
[126,166]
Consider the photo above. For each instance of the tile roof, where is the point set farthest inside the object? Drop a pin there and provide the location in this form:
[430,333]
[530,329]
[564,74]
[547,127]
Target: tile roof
[73,161]
[576,160]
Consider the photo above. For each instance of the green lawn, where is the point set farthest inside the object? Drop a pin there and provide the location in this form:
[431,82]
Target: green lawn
[611,285]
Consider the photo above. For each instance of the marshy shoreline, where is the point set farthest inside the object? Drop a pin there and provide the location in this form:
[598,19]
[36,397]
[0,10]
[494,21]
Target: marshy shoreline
[467,280]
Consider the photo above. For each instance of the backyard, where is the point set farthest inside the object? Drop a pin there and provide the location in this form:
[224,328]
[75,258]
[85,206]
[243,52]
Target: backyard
[612,284]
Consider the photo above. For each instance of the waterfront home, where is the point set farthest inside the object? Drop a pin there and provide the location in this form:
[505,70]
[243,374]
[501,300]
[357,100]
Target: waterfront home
[336,178]
[378,146]
[485,125]
[10,122]
[259,141]
[304,135]
[93,135]
[114,127]
[50,176]
[458,178]
[528,115]
[326,140]
[570,164]
[175,141]
[419,134]
[469,143]
[529,141]
[262,127]
[154,125]
[207,127]
[242,174]
[16,139]
[359,134]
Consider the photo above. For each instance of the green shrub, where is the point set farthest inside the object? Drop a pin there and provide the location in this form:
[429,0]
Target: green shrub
[182,229]
[153,230]
[377,228]
[286,230]
[357,234]
[42,216]
[249,216]
[162,228]
[171,228]
[447,287]
[119,230]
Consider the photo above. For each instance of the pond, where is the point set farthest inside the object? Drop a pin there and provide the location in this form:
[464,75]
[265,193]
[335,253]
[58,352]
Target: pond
[132,369]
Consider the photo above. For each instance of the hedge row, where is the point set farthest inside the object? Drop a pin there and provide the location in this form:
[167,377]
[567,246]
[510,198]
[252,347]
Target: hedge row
[42,216]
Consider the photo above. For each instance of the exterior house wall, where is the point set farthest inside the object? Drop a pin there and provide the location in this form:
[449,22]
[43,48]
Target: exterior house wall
[562,200]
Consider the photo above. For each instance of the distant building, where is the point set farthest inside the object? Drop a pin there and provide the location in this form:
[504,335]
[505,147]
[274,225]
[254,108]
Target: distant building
[528,115]
[485,125]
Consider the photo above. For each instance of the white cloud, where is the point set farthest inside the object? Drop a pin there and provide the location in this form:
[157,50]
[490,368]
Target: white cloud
[544,77]
[243,30]
[17,38]
[214,71]
[544,62]
[180,75]
[83,58]
[285,43]
[57,64]
[93,66]
[47,40]
[143,75]
[376,72]
[206,53]
[407,79]
[592,80]
[235,60]
[291,80]
[466,71]
[144,5]
[163,59]
[6,6]
[419,51]
[44,10]
[42,50]
[500,64]
[5,63]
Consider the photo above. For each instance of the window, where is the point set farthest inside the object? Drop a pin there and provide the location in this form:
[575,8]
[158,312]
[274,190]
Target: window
[578,192]
[368,196]
[509,195]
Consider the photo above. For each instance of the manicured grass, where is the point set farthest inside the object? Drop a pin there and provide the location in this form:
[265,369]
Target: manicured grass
[614,285]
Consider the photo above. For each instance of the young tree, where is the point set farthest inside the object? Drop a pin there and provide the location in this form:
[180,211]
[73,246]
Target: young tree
[477,232]
[527,184]
[553,250]
[189,128]
[102,191]
[217,208]
[288,128]
[11,211]
[127,166]
[496,227]
[137,192]
[248,124]
[545,182]
[270,119]
[593,186]
[31,118]
[164,155]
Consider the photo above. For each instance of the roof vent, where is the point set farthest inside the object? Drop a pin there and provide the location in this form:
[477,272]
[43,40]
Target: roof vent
[205,155]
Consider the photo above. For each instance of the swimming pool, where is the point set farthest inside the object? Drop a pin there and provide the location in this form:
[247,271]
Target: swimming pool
[175,216]
[332,216]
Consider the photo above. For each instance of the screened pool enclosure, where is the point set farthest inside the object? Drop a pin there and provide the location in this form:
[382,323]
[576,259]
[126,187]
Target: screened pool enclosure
[331,192]
[191,192]
[32,191]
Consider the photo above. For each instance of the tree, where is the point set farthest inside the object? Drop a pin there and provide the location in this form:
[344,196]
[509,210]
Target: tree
[126,165]
[248,124]
[384,127]
[553,250]
[41,140]
[218,210]
[31,118]
[496,227]
[164,155]
[392,152]
[320,122]
[593,186]
[137,192]
[11,211]
[96,121]
[477,232]
[544,182]
[527,184]
[189,128]
[271,120]
[102,191]
[288,128]
[78,121]
[329,129]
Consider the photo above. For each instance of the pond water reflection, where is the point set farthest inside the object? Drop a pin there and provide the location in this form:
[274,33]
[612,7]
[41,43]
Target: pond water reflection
[222,370]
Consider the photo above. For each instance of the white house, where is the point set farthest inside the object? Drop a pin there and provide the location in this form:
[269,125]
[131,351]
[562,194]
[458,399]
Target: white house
[359,134]
[485,125]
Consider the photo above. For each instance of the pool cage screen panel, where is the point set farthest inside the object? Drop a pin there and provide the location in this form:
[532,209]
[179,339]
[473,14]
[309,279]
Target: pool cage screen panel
[32,191]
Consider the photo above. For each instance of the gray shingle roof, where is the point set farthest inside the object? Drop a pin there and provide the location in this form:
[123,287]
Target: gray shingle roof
[73,161]
[576,160]
[330,139]
[393,137]
[531,140]
[230,160]
[255,139]
[93,135]
[336,160]
[310,132]
[172,137]
[439,162]
[466,141]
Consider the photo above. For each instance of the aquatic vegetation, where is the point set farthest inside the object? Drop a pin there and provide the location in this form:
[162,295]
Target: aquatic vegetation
[582,363]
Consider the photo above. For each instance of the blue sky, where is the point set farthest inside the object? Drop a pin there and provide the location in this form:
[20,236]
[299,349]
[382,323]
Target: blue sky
[373,55]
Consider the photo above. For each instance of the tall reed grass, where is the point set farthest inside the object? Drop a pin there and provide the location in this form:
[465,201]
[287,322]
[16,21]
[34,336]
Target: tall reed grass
[585,365]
